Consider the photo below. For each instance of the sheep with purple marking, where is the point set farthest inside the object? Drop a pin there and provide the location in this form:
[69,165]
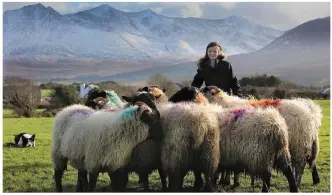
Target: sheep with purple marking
[100,141]
[302,126]
[255,140]
[266,131]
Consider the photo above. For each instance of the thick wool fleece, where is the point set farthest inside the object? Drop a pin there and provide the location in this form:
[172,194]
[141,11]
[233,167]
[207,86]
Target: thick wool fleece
[251,138]
[189,127]
[301,123]
[104,141]
[63,121]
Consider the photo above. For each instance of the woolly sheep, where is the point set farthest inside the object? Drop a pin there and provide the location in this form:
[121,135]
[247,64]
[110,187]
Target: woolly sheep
[105,139]
[104,100]
[255,140]
[159,94]
[303,136]
[191,141]
[270,123]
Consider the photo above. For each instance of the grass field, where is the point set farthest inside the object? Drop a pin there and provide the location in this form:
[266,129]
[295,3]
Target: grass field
[46,92]
[30,169]
[9,113]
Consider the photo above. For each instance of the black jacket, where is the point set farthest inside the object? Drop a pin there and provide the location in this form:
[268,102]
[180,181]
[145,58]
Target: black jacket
[221,76]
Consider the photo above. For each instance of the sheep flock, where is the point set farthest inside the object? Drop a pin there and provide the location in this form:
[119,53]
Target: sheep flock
[206,131]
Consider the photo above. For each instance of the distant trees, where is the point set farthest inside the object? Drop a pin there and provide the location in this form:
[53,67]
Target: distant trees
[22,95]
[261,81]
[164,83]
[64,95]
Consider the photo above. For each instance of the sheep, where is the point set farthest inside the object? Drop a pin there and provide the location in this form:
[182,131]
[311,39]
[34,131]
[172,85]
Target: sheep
[97,103]
[106,99]
[159,94]
[142,166]
[191,141]
[255,140]
[303,138]
[269,121]
[105,139]
[185,94]
[174,119]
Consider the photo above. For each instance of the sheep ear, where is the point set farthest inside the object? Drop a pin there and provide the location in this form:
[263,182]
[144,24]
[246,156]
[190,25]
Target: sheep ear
[128,99]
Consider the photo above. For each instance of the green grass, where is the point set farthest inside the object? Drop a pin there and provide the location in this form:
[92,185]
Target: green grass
[30,169]
[46,92]
[9,113]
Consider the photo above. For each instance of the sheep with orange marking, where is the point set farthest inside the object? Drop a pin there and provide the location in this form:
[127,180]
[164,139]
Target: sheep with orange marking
[302,128]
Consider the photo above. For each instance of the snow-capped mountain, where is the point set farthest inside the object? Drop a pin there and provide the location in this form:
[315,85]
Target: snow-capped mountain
[308,36]
[38,32]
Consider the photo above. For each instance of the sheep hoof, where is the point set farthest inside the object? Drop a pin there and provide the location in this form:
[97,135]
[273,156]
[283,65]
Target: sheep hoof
[236,184]
[224,182]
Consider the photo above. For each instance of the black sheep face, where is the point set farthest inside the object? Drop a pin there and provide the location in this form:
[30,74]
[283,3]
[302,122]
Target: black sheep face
[185,94]
[155,90]
[211,91]
[150,112]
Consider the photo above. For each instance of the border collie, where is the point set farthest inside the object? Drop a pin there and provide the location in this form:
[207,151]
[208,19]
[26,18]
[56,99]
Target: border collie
[25,140]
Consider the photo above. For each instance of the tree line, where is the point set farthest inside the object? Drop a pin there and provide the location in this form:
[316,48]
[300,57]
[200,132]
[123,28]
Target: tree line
[24,96]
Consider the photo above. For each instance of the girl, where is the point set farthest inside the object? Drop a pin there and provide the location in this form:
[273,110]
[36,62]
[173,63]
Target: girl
[215,70]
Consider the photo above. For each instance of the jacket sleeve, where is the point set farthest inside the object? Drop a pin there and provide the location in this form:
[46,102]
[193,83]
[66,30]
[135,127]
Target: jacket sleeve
[235,85]
[198,79]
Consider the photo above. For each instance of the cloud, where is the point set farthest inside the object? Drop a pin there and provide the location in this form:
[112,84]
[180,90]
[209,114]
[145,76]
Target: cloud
[228,5]
[191,10]
[158,9]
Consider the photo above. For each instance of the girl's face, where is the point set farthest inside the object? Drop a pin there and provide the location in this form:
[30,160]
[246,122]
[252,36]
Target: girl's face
[213,52]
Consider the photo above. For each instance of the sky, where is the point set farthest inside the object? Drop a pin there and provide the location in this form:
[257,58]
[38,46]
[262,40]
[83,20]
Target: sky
[278,15]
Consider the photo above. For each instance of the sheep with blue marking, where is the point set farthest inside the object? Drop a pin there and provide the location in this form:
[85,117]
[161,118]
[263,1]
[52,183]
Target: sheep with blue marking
[104,99]
[101,141]
[302,126]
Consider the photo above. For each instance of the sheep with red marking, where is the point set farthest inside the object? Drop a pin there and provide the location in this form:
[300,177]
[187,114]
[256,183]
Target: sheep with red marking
[302,126]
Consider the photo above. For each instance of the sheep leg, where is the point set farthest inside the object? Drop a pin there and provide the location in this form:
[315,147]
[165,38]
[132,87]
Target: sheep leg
[209,187]
[82,181]
[298,174]
[144,178]
[198,181]
[223,179]
[92,181]
[216,176]
[284,165]
[236,179]
[174,181]
[163,179]
[315,176]
[266,178]
[227,180]
[253,183]
[61,166]
[119,179]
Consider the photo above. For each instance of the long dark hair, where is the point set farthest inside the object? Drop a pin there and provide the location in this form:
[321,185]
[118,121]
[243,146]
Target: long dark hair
[206,57]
